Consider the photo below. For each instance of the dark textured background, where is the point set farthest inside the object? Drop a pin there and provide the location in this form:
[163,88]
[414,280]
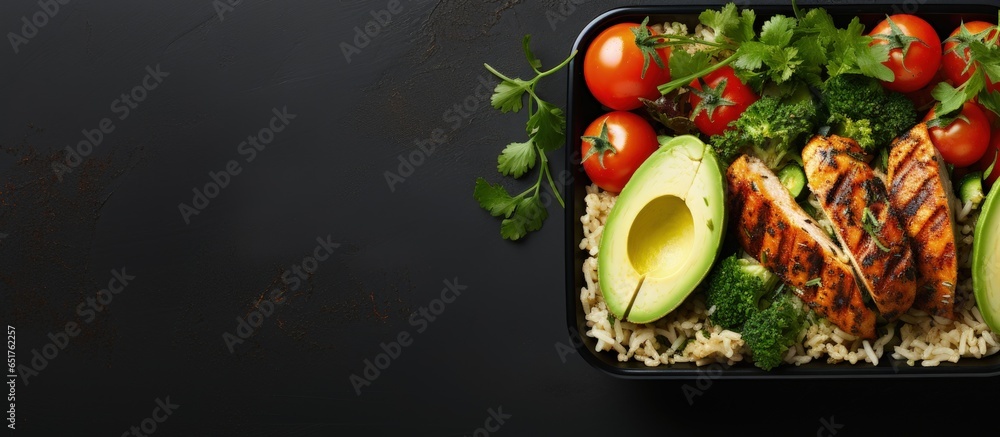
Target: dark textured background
[497,345]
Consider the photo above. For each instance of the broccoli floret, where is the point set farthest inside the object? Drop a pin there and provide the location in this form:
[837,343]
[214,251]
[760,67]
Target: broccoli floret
[770,129]
[735,288]
[857,130]
[770,332]
[858,107]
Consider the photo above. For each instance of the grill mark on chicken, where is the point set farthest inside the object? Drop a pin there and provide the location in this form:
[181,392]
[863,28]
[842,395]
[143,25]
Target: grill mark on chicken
[836,191]
[919,199]
[908,153]
[801,253]
[852,194]
[900,266]
[936,221]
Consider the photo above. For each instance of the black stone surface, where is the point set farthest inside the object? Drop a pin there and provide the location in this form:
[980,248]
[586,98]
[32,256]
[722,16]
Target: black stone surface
[496,350]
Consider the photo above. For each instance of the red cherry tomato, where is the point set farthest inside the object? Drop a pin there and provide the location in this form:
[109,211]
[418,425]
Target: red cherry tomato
[612,68]
[623,141]
[923,54]
[722,101]
[962,143]
[953,64]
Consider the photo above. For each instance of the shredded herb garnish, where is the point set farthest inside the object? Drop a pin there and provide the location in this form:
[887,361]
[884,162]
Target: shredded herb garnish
[872,226]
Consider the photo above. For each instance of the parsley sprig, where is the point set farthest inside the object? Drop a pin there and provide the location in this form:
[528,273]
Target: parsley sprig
[984,53]
[546,129]
[808,46]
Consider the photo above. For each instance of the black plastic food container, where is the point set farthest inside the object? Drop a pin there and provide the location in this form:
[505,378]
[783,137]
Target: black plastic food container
[583,108]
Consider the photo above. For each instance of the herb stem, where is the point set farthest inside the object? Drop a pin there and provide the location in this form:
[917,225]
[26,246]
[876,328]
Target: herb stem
[548,175]
[558,67]
[497,73]
[675,40]
[538,183]
[677,83]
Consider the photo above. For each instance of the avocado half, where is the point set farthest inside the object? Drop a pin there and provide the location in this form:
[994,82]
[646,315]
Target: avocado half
[664,232]
[986,260]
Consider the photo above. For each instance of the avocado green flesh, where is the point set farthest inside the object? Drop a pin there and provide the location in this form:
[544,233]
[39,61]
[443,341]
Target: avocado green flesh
[664,232]
[986,261]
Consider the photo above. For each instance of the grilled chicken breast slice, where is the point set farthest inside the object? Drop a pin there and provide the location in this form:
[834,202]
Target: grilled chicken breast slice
[921,193]
[868,228]
[778,233]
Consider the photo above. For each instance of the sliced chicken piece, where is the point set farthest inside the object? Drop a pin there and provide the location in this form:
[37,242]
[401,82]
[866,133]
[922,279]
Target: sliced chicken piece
[868,228]
[776,231]
[920,191]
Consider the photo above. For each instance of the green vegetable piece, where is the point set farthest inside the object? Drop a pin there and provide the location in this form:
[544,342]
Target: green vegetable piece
[859,108]
[793,177]
[986,261]
[771,332]
[735,288]
[771,129]
[970,189]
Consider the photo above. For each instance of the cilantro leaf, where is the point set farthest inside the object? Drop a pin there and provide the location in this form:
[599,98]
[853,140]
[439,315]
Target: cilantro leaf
[818,22]
[951,99]
[751,55]
[745,30]
[508,93]
[494,198]
[683,63]
[990,100]
[869,60]
[813,56]
[547,126]
[782,63]
[527,217]
[727,23]
[516,159]
[853,52]
[777,31]
[987,57]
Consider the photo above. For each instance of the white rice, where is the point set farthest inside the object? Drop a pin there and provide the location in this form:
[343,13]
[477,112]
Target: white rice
[686,335]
